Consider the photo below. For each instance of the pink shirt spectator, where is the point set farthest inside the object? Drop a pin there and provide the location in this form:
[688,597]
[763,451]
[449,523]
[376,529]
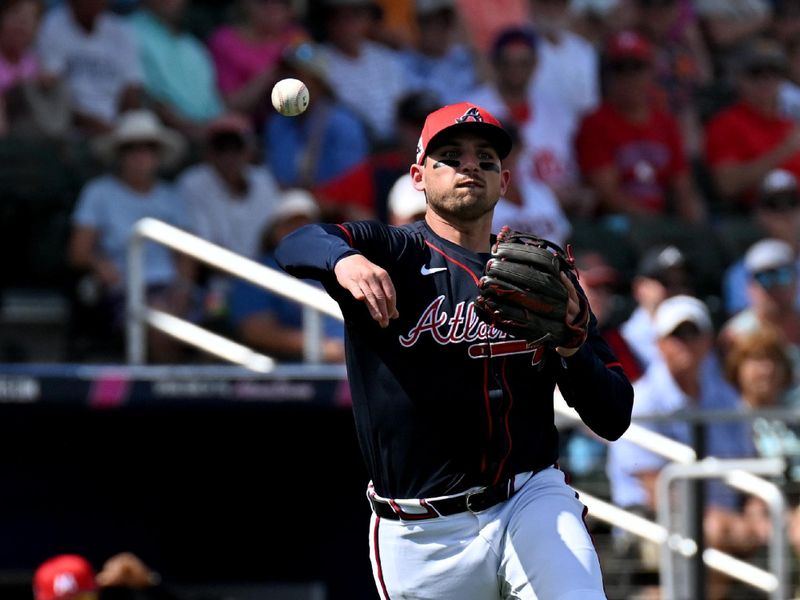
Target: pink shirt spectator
[13,73]
[239,60]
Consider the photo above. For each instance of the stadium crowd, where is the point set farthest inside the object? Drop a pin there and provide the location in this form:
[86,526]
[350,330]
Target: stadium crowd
[661,138]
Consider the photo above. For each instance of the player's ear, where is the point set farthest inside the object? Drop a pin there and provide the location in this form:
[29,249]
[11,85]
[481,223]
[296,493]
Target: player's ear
[505,178]
[416,177]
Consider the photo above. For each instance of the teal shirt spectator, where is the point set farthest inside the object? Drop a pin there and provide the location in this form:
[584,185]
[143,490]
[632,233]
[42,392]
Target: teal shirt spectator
[178,69]
[112,209]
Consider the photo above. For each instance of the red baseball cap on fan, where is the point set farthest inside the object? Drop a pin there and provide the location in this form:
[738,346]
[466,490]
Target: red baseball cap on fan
[63,577]
[629,45]
[463,115]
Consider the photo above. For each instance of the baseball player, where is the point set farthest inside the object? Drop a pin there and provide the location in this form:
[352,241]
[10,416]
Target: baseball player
[454,416]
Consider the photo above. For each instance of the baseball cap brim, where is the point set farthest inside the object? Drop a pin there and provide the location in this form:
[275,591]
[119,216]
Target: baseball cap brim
[497,137]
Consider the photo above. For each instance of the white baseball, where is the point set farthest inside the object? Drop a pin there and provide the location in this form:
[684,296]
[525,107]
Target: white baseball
[290,97]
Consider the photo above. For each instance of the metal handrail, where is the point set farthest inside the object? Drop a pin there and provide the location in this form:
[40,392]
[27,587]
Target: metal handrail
[773,581]
[683,456]
[313,300]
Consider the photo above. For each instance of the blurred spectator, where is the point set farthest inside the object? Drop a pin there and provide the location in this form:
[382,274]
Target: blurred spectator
[677,381]
[406,204]
[747,140]
[247,53]
[545,126]
[229,199]
[65,576]
[528,204]
[30,103]
[771,266]
[109,207]
[596,20]
[758,366]
[439,64]
[94,52]
[324,149]
[777,215]
[662,272]
[270,322]
[681,62]
[178,71]
[72,577]
[514,62]
[789,93]
[393,161]
[366,76]
[630,150]
[568,64]
[600,281]
[727,24]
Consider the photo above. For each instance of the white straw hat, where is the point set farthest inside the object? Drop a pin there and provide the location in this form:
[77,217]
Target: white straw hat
[140,126]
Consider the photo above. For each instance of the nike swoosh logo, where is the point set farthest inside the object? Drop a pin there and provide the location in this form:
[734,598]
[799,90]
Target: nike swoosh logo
[426,271]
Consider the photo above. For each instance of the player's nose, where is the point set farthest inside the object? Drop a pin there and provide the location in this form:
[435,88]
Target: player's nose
[470,162]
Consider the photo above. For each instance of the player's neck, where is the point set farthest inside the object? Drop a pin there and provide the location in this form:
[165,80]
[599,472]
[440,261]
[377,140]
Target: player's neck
[472,236]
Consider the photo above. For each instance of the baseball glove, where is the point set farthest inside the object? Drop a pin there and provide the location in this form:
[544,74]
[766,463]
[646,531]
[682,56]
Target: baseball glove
[522,294]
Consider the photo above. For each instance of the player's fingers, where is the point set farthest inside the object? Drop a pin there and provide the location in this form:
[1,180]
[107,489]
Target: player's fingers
[571,291]
[391,295]
[376,305]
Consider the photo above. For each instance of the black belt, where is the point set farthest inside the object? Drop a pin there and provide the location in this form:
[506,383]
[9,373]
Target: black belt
[476,501]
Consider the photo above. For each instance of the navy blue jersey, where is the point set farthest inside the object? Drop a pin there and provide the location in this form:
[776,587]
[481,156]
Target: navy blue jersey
[442,401]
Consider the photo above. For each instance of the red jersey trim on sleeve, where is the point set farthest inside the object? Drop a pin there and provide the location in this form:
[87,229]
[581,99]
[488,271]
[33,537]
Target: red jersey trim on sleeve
[348,234]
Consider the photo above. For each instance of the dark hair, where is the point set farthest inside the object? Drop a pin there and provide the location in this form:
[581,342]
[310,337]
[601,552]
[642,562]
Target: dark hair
[513,35]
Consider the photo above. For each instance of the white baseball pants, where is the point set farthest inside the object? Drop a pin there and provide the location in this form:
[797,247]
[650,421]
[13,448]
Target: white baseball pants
[534,546]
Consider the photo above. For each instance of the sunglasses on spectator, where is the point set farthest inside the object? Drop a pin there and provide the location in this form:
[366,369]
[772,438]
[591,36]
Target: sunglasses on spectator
[686,332]
[778,277]
[145,145]
[227,142]
[627,66]
[780,202]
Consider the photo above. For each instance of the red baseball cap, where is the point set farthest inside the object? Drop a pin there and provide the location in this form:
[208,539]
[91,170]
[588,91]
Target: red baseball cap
[629,45]
[63,577]
[463,115]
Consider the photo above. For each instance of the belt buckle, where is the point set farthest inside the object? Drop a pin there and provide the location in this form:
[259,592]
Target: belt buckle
[468,499]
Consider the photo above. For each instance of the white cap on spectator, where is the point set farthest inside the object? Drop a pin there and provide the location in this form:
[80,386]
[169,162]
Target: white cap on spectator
[777,181]
[681,309]
[404,200]
[768,254]
[295,203]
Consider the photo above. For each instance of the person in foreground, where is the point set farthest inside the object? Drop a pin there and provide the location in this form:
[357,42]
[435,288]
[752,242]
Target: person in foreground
[454,414]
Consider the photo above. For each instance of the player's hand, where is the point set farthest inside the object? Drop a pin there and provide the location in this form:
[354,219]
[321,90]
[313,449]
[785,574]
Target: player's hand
[126,570]
[370,284]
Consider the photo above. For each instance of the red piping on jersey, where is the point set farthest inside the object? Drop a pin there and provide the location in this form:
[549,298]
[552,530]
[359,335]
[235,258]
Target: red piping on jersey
[348,234]
[508,429]
[378,568]
[453,260]
[614,364]
[488,408]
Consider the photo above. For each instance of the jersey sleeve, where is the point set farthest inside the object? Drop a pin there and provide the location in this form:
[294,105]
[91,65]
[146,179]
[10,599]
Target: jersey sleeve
[593,382]
[313,250]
